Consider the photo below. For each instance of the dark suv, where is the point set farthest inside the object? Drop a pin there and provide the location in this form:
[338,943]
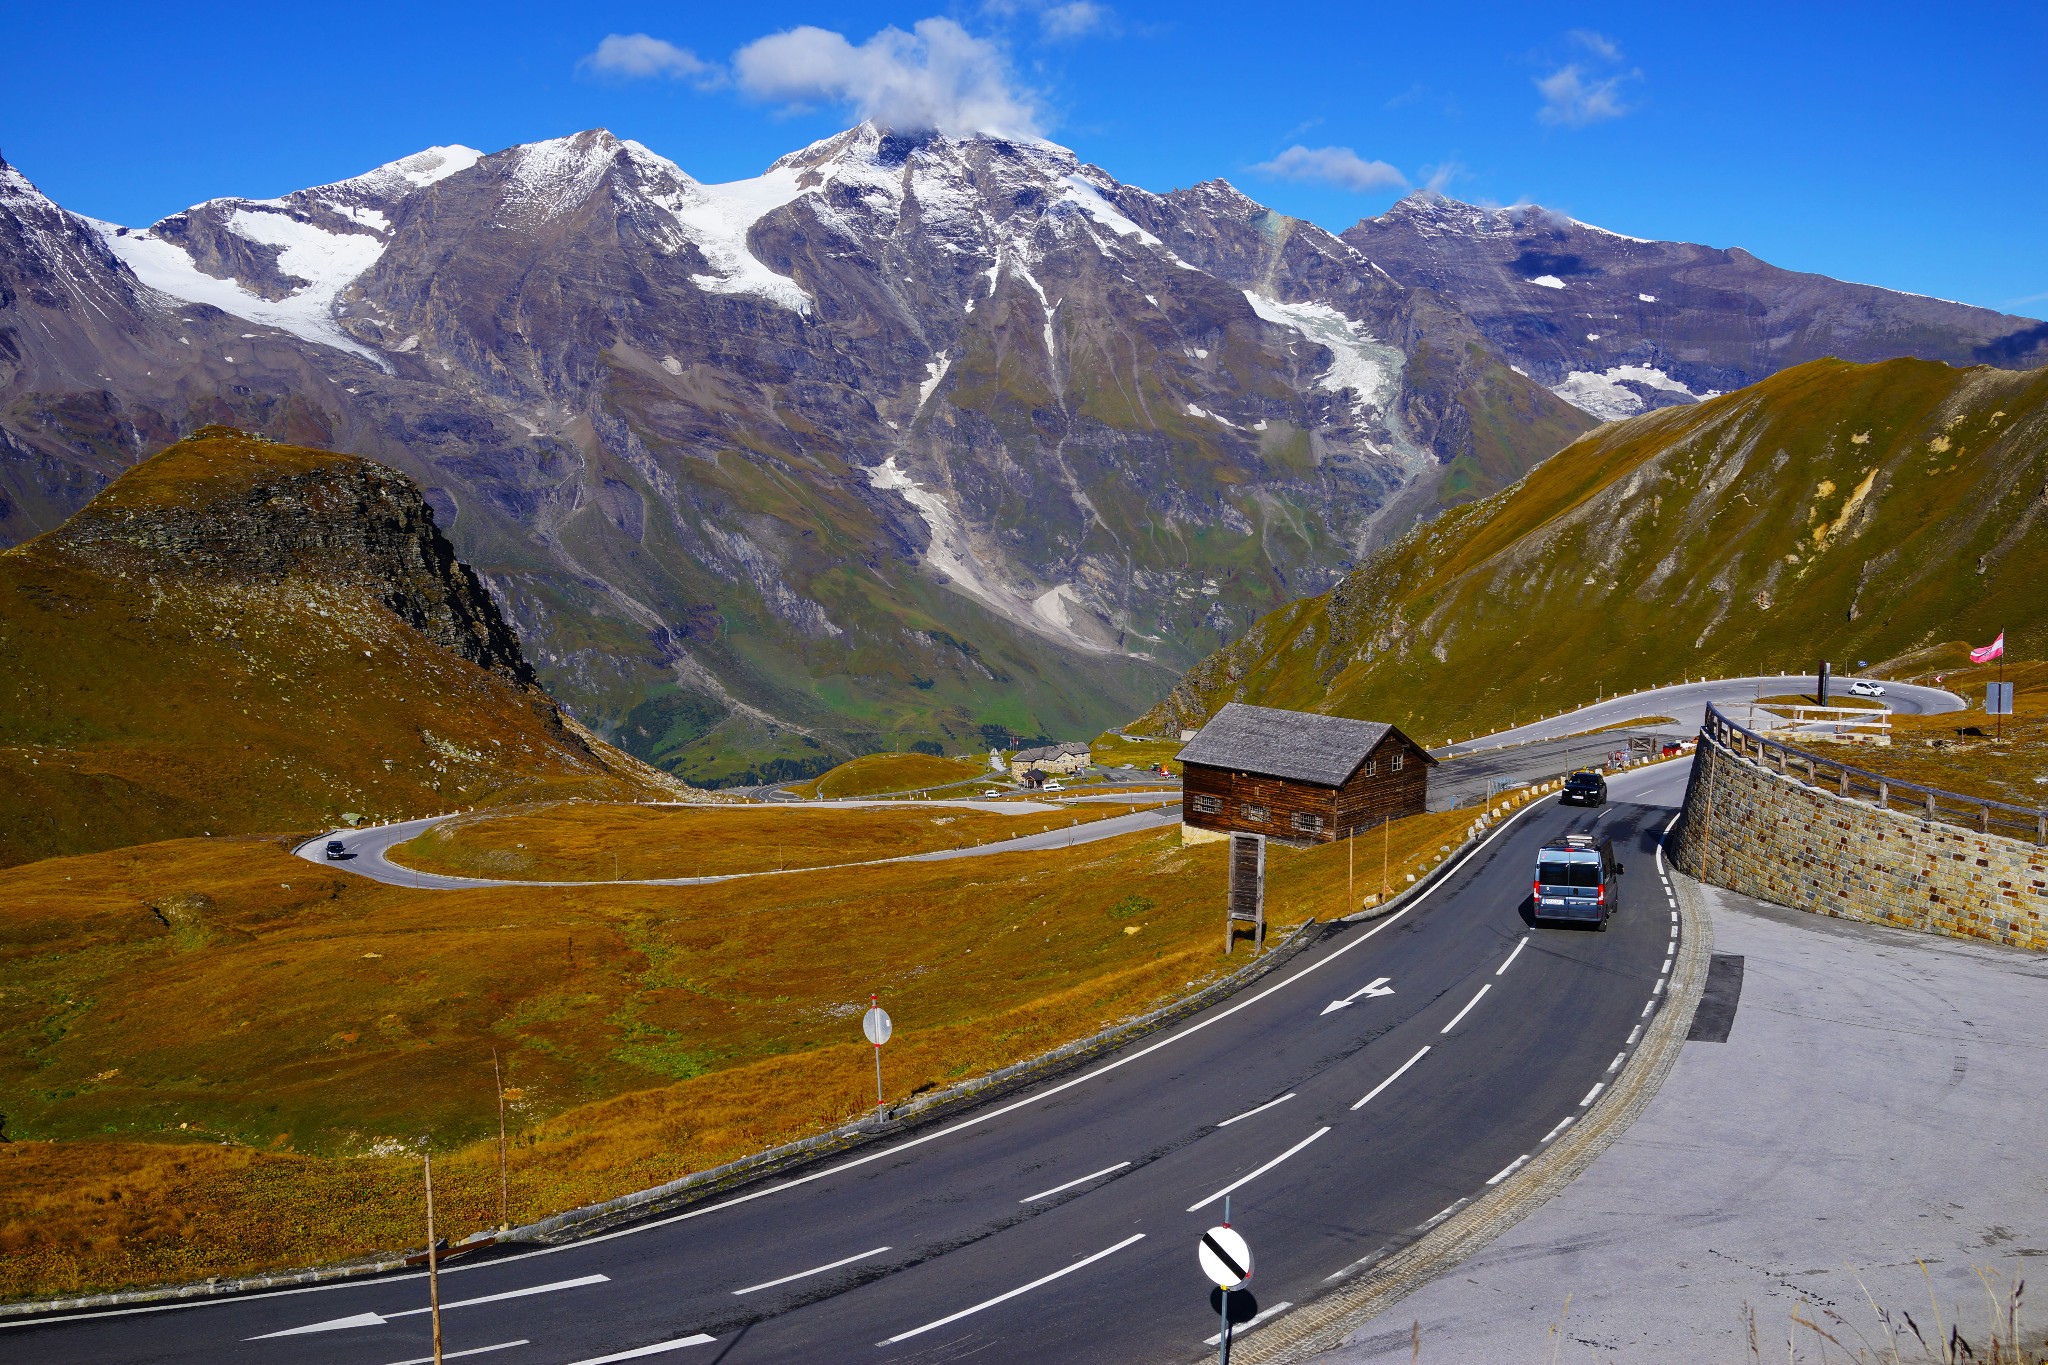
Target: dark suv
[337,851]
[1575,880]
[1584,789]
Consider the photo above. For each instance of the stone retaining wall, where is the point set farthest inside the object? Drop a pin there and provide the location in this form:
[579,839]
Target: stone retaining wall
[1770,836]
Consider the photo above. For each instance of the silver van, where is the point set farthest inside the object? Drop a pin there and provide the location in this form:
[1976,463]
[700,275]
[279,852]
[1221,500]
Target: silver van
[1575,880]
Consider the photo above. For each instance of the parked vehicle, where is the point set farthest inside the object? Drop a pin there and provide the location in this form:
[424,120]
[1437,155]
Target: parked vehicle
[1055,786]
[1584,788]
[1860,688]
[1575,881]
[337,851]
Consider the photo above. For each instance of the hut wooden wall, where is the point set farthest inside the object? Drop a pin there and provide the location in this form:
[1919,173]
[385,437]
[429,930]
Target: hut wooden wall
[1359,805]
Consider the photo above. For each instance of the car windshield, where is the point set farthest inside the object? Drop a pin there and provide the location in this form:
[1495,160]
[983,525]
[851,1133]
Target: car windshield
[1584,781]
[1572,872]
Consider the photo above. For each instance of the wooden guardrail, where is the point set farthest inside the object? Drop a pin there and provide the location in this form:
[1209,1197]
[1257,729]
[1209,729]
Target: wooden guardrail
[1889,793]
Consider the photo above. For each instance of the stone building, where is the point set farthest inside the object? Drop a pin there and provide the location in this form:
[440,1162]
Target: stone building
[1051,760]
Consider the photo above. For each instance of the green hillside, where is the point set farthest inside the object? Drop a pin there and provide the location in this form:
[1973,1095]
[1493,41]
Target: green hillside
[1848,512]
[238,636]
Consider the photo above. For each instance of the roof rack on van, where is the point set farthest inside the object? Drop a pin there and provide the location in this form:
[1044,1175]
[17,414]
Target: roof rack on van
[1579,840]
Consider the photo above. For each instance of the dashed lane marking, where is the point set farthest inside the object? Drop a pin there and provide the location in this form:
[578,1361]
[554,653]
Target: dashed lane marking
[1246,1180]
[1456,1018]
[1058,1189]
[1000,1298]
[817,1269]
[1246,1114]
[1374,1092]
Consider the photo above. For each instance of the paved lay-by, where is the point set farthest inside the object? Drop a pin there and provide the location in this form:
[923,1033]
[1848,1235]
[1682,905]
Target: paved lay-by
[1686,703]
[1060,1222]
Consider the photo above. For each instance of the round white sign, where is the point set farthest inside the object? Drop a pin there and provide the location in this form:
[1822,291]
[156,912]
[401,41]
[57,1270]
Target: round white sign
[875,1024]
[1226,1258]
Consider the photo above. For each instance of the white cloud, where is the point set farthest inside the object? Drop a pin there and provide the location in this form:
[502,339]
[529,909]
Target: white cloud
[1599,44]
[1073,19]
[1436,179]
[1338,166]
[938,76]
[1573,99]
[638,56]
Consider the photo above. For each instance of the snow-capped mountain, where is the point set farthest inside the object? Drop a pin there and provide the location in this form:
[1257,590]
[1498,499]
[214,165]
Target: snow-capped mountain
[908,438]
[1616,325]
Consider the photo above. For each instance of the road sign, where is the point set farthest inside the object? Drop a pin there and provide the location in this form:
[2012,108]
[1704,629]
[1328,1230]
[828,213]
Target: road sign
[1226,1258]
[1998,699]
[875,1024]
[1247,902]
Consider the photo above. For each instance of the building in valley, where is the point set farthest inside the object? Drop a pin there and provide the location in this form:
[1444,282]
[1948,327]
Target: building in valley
[1051,760]
[1298,777]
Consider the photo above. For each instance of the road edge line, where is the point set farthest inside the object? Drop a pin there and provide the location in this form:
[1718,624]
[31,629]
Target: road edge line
[1382,1281]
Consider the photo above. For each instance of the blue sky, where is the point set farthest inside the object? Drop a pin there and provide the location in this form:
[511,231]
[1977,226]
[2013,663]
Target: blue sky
[1892,144]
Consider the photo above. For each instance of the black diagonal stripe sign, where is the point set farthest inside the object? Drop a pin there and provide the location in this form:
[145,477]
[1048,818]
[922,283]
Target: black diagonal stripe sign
[1222,1255]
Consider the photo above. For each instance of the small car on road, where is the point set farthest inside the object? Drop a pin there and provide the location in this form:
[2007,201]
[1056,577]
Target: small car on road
[1584,788]
[337,851]
[1860,688]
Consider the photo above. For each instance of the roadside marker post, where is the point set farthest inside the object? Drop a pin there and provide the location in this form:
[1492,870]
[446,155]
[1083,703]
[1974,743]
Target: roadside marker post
[1226,1258]
[875,1024]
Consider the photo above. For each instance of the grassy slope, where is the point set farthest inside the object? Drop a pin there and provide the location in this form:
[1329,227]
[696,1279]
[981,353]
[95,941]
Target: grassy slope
[608,843]
[1933,751]
[1846,511]
[203,1026]
[879,774]
[143,701]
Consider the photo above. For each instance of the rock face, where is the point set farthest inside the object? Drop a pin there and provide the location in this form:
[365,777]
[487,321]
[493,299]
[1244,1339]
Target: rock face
[351,524]
[1617,325]
[909,438]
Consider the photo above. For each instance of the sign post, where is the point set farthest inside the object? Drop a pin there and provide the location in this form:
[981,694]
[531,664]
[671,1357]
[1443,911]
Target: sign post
[1247,891]
[1820,691]
[1226,1258]
[875,1024]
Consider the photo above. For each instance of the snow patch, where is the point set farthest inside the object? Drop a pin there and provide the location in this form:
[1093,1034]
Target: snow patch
[1359,363]
[718,219]
[417,171]
[934,374]
[950,556]
[1090,200]
[550,178]
[1607,396]
[1647,298]
[1548,281]
[327,261]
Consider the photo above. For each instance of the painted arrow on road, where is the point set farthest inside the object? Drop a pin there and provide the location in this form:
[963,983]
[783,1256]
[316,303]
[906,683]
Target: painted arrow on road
[1377,986]
[379,1319]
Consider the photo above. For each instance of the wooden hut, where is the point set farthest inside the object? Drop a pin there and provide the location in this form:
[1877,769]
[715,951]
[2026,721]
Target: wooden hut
[1298,777]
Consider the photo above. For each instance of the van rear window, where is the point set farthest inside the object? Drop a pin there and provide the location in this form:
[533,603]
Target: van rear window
[1574,873]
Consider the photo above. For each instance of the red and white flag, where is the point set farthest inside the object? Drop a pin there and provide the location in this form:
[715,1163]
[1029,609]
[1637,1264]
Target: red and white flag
[1994,650]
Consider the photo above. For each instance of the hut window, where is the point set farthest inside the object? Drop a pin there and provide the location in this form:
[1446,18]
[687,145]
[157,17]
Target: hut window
[1372,767]
[1310,824]
[1256,814]
[1396,763]
[1207,805]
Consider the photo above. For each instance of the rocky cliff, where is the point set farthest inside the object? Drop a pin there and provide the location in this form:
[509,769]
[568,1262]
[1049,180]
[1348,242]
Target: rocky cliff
[241,636]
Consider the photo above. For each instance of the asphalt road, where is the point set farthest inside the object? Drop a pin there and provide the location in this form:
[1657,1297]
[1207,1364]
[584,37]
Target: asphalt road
[1061,1222]
[372,847]
[1687,704]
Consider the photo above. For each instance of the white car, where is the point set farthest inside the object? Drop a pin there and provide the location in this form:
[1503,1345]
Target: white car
[1860,688]
[1055,786]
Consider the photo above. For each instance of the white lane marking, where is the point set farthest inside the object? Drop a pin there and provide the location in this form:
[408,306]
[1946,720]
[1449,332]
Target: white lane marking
[1502,969]
[893,1149]
[1097,1175]
[1251,1322]
[472,1351]
[1667,968]
[1647,1008]
[1445,1214]
[1468,1008]
[1508,1170]
[1246,1180]
[658,1348]
[814,1270]
[379,1319]
[1593,1094]
[1562,1125]
[1371,1094]
[1656,990]
[1260,1110]
[1615,1065]
[1002,1298]
[1634,1034]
